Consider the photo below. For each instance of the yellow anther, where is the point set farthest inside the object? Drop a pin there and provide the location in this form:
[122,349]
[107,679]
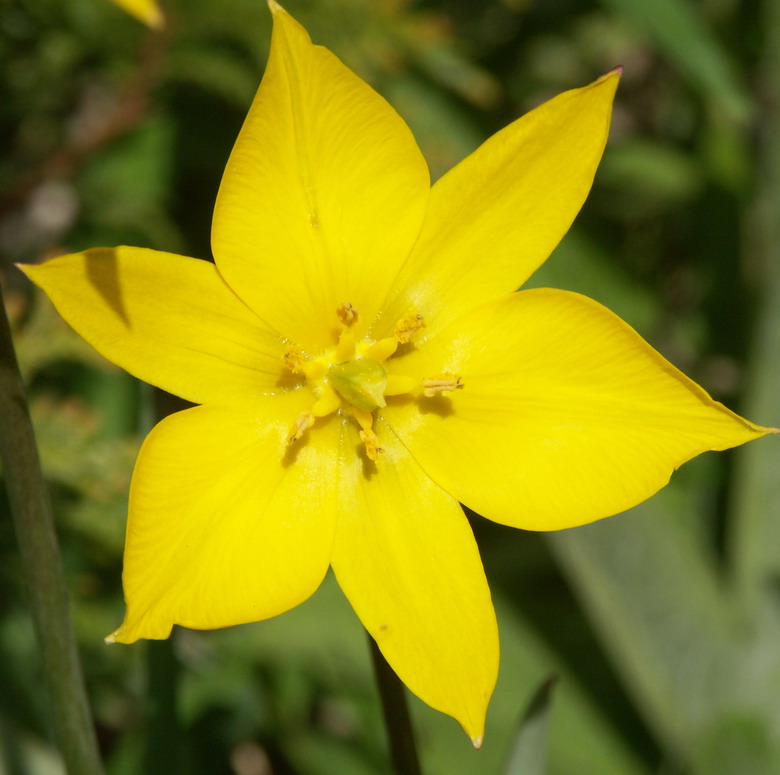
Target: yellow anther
[300,426]
[444,383]
[347,314]
[327,403]
[406,327]
[381,350]
[346,347]
[397,385]
[294,359]
[371,443]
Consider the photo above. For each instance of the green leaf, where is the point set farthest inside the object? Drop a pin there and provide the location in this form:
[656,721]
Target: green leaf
[653,597]
[529,748]
[675,635]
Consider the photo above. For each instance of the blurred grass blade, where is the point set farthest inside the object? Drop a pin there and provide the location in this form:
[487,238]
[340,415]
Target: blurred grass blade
[676,28]
[756,526]
[529,748]
[34,525]
[655,603]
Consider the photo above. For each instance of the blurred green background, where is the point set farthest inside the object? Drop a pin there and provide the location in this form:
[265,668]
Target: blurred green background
[662,624]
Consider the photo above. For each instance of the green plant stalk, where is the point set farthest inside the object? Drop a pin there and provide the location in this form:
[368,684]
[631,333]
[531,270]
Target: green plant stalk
[400,733]
[37,539]
[166,751]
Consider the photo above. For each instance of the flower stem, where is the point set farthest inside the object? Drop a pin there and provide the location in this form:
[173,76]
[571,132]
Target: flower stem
[34,525]
[400,733]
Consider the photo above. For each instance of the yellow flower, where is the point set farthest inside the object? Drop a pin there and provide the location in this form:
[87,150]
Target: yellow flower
[146,11]
[363,363]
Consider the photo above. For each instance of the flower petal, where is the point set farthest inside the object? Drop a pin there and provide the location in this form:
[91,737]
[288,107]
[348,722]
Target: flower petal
[323,195]
[227,525]
[567,415]
[497,216]
[146,11]
[167,319]
[407,561]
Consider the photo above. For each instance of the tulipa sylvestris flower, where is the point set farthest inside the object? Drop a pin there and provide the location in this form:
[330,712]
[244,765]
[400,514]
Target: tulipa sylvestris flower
[363,362]
[146,11]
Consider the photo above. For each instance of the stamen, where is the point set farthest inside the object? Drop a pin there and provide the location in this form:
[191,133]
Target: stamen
[398,384]
[346,347]
[406,327]
[367,435]
[327,403]
[444,383]
[314,370]
[365,419]
[294,359]
[381,350]
[347,314]
[300,426]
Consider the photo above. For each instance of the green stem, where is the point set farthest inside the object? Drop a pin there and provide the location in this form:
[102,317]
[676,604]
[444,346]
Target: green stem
[165,749]
[398,722]
[35,533]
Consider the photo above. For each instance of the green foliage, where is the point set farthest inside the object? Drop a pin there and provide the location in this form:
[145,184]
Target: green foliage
[662,624]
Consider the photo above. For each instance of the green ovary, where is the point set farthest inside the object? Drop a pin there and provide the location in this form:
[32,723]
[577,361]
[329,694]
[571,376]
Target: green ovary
[361,383]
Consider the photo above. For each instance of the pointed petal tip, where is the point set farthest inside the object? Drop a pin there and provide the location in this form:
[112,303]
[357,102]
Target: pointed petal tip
[477,742]
[617,70]
[274,7]
[111,638]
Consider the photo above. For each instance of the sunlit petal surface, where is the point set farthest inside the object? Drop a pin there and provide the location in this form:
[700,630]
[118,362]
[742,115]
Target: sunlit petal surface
[406,559]
[323,195]
[169,320]
[496,216]
[226,526]
[567,415]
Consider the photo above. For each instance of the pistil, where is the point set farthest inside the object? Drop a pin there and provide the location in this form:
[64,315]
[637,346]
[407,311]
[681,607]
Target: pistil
[352,379]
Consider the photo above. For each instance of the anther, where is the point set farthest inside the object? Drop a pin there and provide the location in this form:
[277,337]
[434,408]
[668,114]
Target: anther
[444,383]
[371,443]
[294,359]
[347,314]
[300,426]
[406,327]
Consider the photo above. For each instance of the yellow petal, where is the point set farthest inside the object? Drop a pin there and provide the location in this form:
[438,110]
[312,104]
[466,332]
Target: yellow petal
[146,11]
[496,216]
[167,319]
[567,415]
[406,559]
[227,524]
[322,197]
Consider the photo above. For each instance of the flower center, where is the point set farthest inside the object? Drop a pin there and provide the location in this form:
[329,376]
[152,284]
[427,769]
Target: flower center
[352,379]
[361,383]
